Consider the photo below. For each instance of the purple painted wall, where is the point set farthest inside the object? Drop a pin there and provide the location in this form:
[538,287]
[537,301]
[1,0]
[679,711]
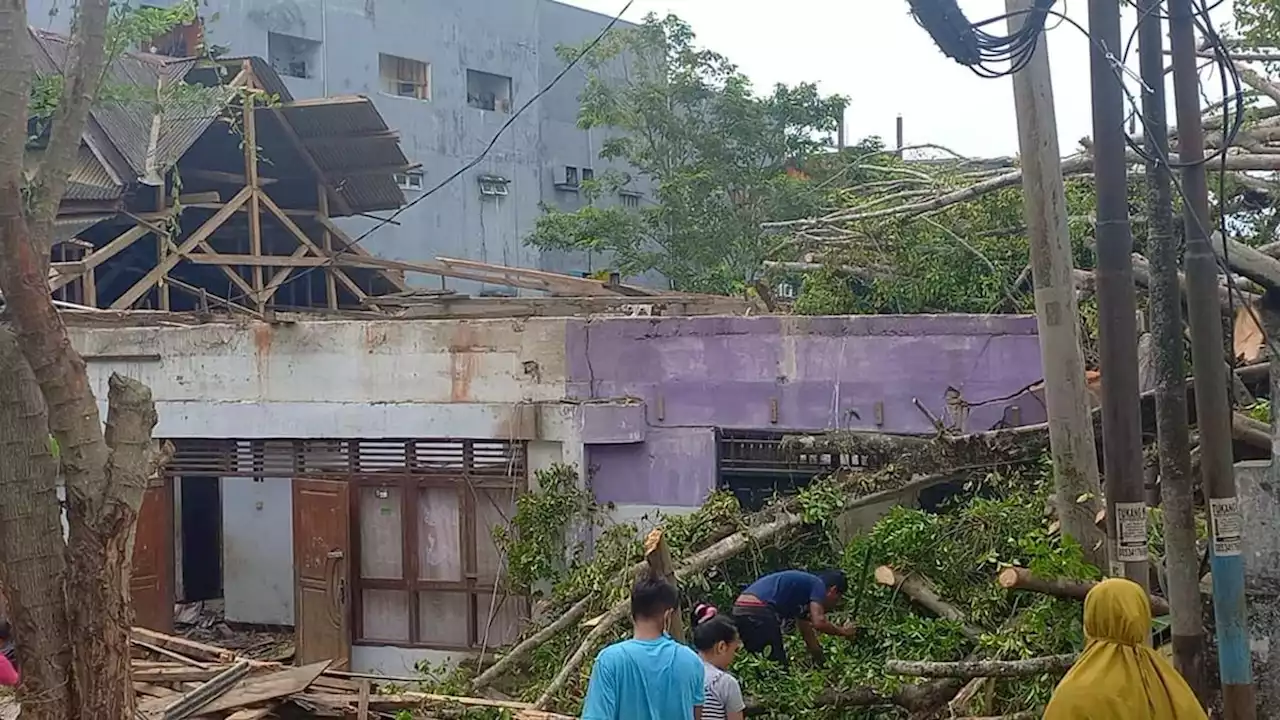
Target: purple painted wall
[696,374]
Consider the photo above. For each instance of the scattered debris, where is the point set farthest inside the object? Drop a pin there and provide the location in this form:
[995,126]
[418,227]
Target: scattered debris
[177,678]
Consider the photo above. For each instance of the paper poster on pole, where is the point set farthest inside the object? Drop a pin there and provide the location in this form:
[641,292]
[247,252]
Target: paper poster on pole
[1228,526]
[1131,531]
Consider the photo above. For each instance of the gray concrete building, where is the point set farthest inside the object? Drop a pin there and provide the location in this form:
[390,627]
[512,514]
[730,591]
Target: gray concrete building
[448,75]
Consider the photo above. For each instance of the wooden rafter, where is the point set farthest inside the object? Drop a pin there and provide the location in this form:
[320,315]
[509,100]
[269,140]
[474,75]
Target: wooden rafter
[210,226]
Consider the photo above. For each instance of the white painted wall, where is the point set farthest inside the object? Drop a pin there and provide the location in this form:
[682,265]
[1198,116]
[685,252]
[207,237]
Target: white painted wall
[335,379]
[257,550]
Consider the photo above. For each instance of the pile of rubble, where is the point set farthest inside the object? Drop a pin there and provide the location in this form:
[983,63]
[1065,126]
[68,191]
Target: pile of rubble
[178,678]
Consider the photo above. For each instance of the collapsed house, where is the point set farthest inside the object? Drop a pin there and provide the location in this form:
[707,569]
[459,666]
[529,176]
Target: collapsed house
[345,444]
[343,477]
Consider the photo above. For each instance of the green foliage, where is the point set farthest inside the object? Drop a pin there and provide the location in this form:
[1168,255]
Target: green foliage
[536,544]
[997,523]
[715,152]
[1261,410]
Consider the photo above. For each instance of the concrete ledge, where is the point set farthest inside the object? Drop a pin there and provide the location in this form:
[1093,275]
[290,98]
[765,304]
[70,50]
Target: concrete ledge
[500,421]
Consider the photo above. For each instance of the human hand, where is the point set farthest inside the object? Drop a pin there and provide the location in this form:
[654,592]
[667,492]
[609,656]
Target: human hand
[849,632]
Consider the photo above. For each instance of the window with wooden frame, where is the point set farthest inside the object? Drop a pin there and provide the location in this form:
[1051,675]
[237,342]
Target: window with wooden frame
[404,77]
[427,570]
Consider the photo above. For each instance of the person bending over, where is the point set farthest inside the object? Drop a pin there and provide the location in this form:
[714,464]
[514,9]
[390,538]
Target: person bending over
[651,676]
[790,595]
[8,657]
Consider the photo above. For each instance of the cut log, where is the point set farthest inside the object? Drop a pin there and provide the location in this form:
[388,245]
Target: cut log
[968,669]
[1251,432]
[1016,578]
[1248,261]
[658,556]
[921,591]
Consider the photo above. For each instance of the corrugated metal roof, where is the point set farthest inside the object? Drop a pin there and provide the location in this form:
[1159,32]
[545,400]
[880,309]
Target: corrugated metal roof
[89,180]
[128,118]
[346,137]
[350,143]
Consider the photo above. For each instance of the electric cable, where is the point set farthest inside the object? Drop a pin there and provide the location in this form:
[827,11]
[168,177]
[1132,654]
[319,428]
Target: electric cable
[383,222]
[970,45]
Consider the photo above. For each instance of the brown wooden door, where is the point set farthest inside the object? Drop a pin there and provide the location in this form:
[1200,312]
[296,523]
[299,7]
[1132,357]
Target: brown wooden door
[321,550]
[151,584]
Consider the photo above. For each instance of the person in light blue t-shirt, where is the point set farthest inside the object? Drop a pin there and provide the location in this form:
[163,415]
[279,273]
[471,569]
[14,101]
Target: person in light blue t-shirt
[651,676]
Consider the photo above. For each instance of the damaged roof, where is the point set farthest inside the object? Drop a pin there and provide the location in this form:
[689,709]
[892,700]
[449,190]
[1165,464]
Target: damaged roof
[134,140]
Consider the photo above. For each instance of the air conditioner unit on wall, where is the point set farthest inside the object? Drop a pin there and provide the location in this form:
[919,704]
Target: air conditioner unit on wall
[567,177]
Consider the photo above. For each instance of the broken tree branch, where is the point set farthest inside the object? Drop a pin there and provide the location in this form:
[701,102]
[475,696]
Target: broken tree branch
[921,591]
[1016,578]
[1053,664]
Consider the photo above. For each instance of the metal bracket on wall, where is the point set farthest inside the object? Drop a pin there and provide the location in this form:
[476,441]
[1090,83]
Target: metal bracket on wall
[879,413]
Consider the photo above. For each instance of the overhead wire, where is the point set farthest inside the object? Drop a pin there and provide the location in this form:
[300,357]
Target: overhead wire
[975,48]
[383,222]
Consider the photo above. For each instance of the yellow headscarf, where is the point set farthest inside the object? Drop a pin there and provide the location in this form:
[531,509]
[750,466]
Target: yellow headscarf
[1119,676]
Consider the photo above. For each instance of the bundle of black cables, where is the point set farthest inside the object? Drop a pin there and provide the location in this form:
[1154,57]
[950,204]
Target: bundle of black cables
[968,44]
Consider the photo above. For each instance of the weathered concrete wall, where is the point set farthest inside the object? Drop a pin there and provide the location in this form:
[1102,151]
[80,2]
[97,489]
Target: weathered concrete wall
[633,401]
[1259,490]
[785,373]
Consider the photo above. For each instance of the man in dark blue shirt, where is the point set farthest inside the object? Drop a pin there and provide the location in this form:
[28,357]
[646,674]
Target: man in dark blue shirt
[790,595]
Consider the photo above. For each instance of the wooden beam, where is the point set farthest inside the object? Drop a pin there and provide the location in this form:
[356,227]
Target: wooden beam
[211,196]
[326,101]
[140,288]
[255,207]
[163,243]
[330,287]
[348,137]
[355,248]
[283,274]
[369,170]
[201,293]
[224,177]
[281,261]
[292,227]
[212,257]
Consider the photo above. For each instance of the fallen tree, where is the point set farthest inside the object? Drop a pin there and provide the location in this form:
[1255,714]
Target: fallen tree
[1053,664]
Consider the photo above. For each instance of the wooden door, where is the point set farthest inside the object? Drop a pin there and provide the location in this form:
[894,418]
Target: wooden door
[321,550]
[151,583]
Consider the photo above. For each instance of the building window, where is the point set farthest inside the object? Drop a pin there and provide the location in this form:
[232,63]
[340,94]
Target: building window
[588,175]
[630,199]
[493,185]
[488,92]
[428,565]
[292,56]
[404,77]
[411,180]
[182,41]
[567,178]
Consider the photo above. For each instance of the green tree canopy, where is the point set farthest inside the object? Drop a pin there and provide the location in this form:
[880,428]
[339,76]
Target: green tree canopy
[716,154]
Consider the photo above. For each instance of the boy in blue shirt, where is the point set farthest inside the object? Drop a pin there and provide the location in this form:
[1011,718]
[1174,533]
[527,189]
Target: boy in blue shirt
[651,676]
[784,596]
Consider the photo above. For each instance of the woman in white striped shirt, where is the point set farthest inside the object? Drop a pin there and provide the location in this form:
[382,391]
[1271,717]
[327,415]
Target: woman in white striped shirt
[716,639]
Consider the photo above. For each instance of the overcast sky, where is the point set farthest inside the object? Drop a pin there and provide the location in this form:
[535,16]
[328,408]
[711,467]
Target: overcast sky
[874,52]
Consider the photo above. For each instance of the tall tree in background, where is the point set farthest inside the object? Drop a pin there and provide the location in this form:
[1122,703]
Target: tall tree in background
[716,155]
[69,600]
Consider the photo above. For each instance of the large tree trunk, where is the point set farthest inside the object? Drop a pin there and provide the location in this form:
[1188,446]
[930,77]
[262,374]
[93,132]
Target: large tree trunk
[31,548]
[105,473]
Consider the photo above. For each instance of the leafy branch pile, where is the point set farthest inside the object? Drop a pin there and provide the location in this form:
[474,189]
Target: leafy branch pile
[998,521]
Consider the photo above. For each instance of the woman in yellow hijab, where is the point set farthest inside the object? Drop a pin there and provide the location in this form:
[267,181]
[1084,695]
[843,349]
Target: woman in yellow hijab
[1119,676]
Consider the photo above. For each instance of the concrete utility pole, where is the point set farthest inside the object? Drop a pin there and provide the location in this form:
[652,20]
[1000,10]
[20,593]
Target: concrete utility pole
[1213,409]
[1075,459]
[1182,562]
[1117,304]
